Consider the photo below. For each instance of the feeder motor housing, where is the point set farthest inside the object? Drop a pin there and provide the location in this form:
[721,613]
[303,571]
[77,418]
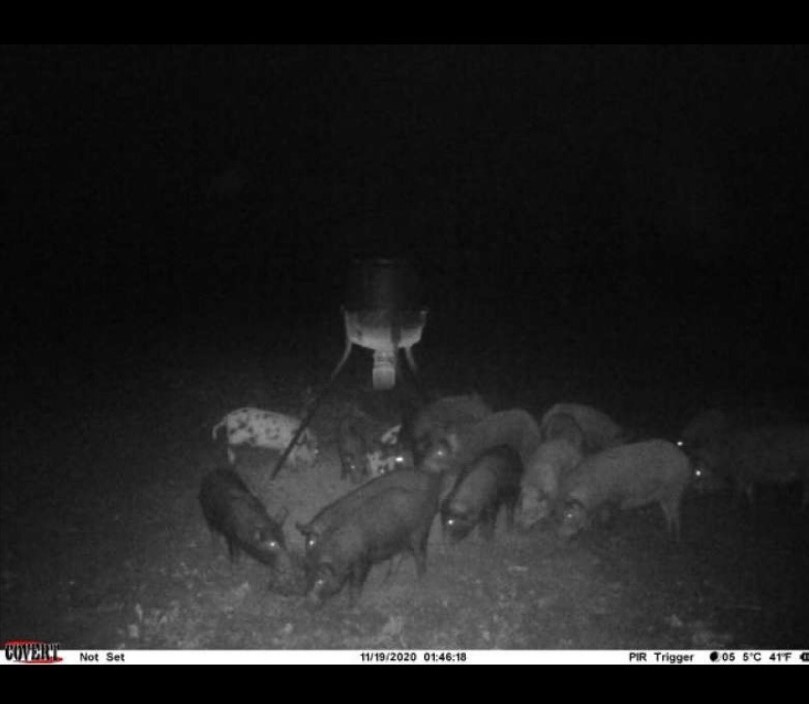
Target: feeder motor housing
[383,312]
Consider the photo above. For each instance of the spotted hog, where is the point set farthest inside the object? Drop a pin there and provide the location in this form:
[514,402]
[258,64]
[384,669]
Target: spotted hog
[383,459]
[389,452]
[267,430]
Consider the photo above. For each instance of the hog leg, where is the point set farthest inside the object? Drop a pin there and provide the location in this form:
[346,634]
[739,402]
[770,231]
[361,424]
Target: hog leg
[487,524]
[359,573]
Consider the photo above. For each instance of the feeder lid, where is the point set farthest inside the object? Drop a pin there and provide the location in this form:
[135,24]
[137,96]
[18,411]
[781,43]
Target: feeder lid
[382,284]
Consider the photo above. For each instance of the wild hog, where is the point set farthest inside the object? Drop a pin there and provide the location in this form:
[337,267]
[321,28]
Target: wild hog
[268,430]
[710,426]
[389,452]
[541,481]
[380,527]
[383,459]
[628,476]
[353,451]
[599,430]
[515,428]
[341,510]
[703,429]
[563,426]
[767,455]
[231,510]
[433,422]
[491,481]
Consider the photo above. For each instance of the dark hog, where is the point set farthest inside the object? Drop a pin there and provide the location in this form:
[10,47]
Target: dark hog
[491,481]
[353,450]
[764,456]
[514,428]
[701,438]
[626,477]
[439,458]
[599,430]
[231,510]
[708,438]
[704,480]
[435,421]
[381,527]
[440,461]
[541,482]
[342,510]
[406,435]
[704,429]
[710,426]
[563,426]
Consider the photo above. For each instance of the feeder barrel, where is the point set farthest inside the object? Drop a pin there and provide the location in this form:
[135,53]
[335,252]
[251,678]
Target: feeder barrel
[382,284]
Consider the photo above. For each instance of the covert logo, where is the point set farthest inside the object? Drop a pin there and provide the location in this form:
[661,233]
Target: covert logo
[32,652]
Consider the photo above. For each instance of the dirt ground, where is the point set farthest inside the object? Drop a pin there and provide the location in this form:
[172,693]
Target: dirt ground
[104,545]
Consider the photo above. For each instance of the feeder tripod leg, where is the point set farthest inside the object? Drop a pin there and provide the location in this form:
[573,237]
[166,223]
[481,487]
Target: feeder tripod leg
[311,413]
[411,360]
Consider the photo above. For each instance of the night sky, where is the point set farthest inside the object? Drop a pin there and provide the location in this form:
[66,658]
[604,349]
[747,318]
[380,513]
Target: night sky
[641,206]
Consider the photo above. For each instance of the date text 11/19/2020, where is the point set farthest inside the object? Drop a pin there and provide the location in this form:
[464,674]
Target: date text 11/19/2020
[405,656]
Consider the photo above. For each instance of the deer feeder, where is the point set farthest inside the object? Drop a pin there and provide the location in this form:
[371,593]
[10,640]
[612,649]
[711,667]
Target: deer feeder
[382,312]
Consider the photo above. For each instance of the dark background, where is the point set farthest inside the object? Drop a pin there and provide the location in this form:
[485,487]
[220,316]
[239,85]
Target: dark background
[633,214]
